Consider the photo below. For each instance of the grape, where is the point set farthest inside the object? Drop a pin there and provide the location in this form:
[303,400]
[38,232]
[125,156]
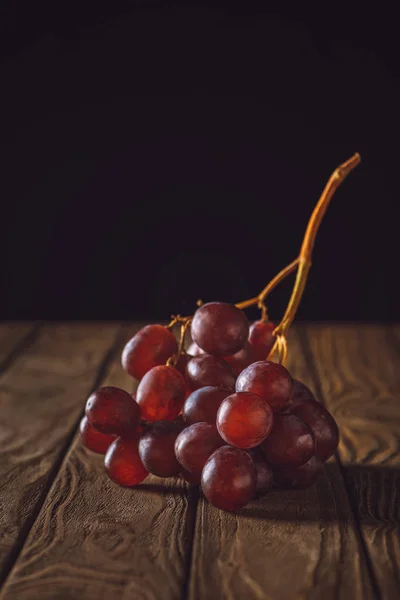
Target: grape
[241,359]
[207,370]
[290,443]
[157,448]
[261,338]
[265,478]
[193,478]
[229,478]
[92,439]
[300,392]
[123,464]
[194,350]
[195,444]
[182,363]
[161,394]
[113,411]
[269,380]
[220,328]
[320,421]
[202,405]
[151,346]
[299,477]
[244,420]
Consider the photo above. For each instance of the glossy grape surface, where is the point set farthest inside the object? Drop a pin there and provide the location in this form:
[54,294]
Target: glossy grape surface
[195,444]
[241,359]
[290,443]
[194,350]
[220,328]
[202,405]
[299,477]
[123,464]
[205,369]
[157,448]
[161,394]
[151,346]
[321,422]
[261,338]
[113,411]
[265,476]
[229,478]
[92,439]
[269,380]
[244,420]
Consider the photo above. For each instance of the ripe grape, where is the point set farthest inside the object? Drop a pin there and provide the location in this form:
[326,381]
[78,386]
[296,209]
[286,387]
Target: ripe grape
[290,443]
[193,478]
[113,411]
[195,444]
[299,477]
[123,464]
[261,338]
[202,405]
[244,420]
[300,392]
[241,359]
[151,346]
[194,350]
[92,439]
[265,477]
[157,448]
[161,393]
[320,421]
[229,478]
[205,369]
[269,380]
[220,328]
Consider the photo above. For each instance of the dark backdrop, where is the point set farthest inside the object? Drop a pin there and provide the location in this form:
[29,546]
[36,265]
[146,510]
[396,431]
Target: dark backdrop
[152,155]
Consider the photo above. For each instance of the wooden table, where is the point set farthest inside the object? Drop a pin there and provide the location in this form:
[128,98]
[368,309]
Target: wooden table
[67,532]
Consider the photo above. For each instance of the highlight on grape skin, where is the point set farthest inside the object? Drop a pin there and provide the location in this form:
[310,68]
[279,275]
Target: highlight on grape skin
[226,414]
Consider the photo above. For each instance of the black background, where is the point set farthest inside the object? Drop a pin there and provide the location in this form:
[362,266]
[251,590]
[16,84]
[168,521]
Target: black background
[153,154]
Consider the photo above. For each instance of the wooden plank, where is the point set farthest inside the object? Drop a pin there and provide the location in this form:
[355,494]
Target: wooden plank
[359,379]
[11,337]
[297,544]
[41,397]
[95,540]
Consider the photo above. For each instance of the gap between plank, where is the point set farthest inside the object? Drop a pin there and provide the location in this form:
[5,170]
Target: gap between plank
[193,499]
[24,533]
[20,347]
[309,359]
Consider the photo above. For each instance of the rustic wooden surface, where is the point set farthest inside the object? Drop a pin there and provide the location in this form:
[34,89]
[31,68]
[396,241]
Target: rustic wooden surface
[67,532]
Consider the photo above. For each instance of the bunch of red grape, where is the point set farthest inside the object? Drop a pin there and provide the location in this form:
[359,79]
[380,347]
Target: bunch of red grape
[223,417]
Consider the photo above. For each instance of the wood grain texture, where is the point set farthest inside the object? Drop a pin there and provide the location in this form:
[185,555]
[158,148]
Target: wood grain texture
[95,540]
[11,336]
[41,396]
[357,370]
[298,544]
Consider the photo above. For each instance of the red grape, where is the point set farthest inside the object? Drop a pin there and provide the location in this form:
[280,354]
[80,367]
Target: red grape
[113,411]
[241,359]
[205,369]
[269,380]
[261,338]
[193,478]
[202,405]
[244,420]
[194,350]
[92,439]
[182,362]
[299,477]
[265,477]
[322,424]
[151,346]
[157,448]
[161,393]
[195,444]
[229,478]
[290,443]
[220,328]
[300,392]
[123,464]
